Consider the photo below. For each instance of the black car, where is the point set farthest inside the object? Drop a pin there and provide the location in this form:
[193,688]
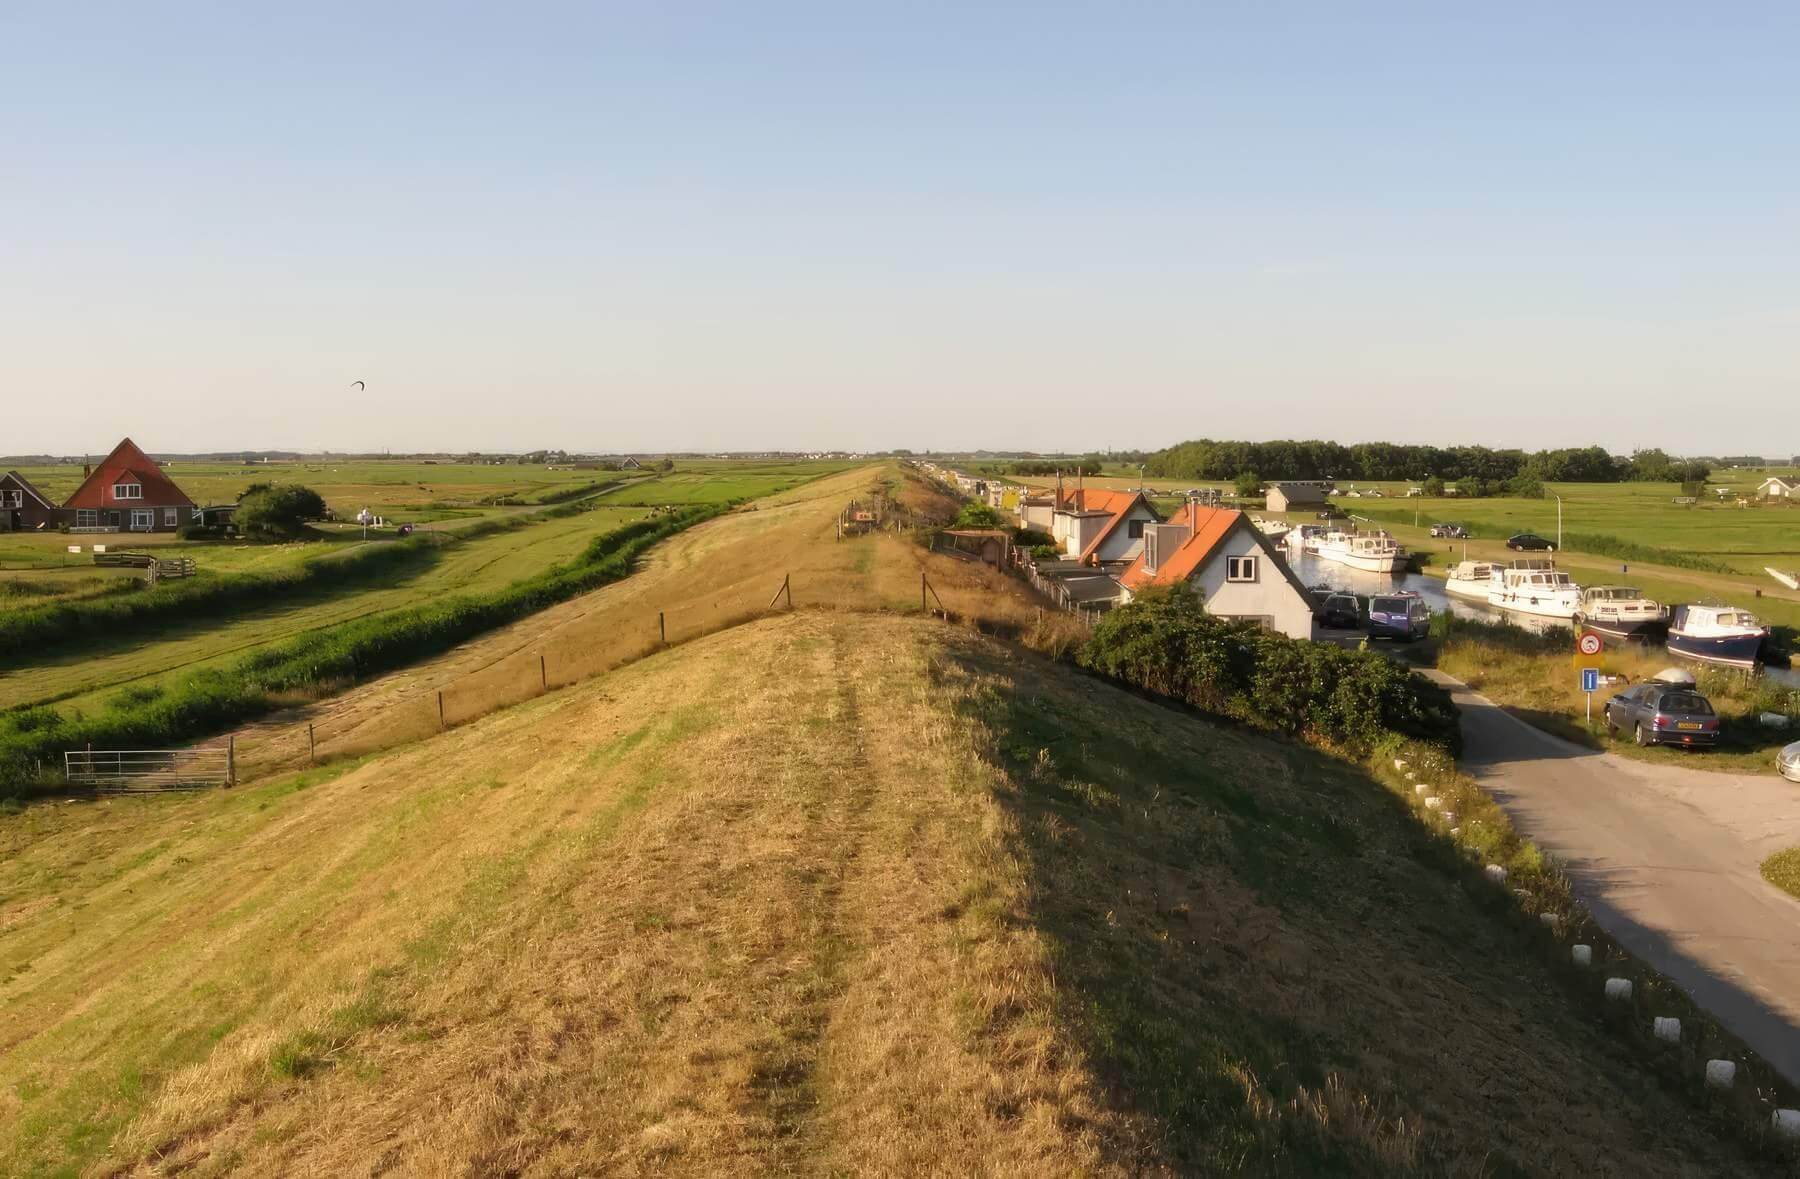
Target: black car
[1341,611]
[1663,714]
[1529,542]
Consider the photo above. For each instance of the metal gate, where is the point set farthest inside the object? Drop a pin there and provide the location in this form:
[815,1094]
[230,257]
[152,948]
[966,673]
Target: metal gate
[125,770]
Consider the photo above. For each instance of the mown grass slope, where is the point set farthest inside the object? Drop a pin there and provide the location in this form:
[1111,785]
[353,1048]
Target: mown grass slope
[828,893]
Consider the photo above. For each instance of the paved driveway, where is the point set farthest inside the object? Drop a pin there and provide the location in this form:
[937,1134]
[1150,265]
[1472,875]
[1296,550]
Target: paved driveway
[1666,859]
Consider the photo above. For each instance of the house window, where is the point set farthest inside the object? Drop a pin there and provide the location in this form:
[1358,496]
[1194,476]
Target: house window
[143,519]
[1134,529]
[87,518]
[1240,569]
[128,491]
[18,499]
[170,518]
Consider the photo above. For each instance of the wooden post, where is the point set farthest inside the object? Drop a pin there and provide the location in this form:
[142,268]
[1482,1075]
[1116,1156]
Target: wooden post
[662,627]
[923,608]
[543,673]
[231,760]
[787,587]
[440,710]
[312,745]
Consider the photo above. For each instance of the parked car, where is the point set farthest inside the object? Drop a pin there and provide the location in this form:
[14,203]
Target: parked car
[1402,616]
[1663,714]
[1529,542]
[1341,611]
[1787,762]
[1451,531]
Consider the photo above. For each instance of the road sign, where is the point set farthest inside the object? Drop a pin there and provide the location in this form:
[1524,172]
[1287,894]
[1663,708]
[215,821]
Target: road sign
[1590,679]
[1588,643]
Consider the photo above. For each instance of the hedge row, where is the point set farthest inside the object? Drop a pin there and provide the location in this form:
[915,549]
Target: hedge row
[214,699]
[1165,642]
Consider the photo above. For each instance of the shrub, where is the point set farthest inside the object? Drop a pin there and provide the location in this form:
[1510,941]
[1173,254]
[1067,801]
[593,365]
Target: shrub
[1031,538]
[277,511]
[977,515]
[1164,642]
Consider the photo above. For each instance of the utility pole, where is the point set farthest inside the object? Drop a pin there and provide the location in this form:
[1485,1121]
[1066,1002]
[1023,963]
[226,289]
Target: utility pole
[1558,522]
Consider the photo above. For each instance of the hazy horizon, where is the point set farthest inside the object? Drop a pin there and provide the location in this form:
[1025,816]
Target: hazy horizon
[804,227]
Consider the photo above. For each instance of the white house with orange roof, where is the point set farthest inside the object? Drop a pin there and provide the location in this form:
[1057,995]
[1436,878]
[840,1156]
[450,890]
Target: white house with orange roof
[1099,527]
[1229,562]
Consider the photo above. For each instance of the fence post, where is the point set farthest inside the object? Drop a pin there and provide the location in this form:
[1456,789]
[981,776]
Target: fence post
[787,587]
[543,672]
[231,760]
[312,745]
[440,710]
[662,627]
[923,608]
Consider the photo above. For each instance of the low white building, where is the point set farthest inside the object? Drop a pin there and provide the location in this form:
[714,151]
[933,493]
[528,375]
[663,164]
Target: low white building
[1231,564]
[1775,487]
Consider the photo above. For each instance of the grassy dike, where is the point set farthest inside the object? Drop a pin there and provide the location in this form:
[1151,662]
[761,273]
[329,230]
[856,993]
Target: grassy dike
[214,699]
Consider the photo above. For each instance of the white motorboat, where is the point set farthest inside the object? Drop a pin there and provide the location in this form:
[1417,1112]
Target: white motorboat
[1472,580]
[1621,612]
[1717,634]
[1536,587]
[1786,577]
[1302,539]
[1373,552]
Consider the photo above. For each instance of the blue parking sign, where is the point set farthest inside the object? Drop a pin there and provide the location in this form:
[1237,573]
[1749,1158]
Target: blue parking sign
[1590,679]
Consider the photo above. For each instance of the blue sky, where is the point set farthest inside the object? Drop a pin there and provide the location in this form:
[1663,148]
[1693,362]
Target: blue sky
[1051,226]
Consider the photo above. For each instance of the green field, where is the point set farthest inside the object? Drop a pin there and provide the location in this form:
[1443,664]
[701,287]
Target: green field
[78,676]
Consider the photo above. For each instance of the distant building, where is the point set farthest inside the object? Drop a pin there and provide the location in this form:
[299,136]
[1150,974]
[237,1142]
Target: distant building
[23,508]
[1232,565]
[1290,495]
[1775,487]
[128,492]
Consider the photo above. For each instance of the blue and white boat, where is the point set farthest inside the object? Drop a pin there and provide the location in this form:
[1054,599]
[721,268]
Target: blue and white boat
[1724,635]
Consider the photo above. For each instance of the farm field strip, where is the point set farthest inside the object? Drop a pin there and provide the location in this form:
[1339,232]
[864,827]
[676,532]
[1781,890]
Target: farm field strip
[80,677]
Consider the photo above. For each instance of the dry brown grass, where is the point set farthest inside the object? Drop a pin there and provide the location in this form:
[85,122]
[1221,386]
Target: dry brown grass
[830,893]
[708,915]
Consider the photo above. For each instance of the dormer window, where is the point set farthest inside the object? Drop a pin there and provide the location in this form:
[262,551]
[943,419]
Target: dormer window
[128,491]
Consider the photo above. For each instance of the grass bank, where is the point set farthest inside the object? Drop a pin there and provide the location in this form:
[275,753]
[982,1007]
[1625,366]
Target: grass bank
[824,894]
[212,699]
[1534,677]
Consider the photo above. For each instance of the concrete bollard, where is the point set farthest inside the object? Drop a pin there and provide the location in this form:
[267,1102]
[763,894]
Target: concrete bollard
[1618,988]
[1400,764]
[1550,919]
[1433,802]
[1496,873]
[1422,788]
[1581,955]
[1720,1074]
[1667,1029]
[1786,1122]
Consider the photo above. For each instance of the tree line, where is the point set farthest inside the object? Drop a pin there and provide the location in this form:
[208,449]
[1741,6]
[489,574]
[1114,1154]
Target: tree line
[1206,458]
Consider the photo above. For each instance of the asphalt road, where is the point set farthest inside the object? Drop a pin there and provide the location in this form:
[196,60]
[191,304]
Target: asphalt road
[1666,859]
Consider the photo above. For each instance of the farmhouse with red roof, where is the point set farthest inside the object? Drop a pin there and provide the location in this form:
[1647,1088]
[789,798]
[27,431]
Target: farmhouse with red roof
[128,492]
[1232,565]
